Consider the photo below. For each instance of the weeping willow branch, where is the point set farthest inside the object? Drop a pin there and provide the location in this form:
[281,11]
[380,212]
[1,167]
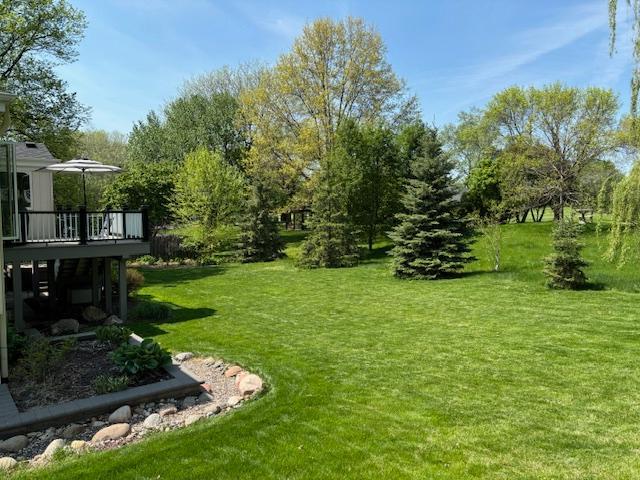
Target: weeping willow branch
[634,6]
[624,239]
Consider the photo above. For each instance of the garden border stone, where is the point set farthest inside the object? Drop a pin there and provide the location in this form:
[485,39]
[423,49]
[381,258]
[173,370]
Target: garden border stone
[182,383]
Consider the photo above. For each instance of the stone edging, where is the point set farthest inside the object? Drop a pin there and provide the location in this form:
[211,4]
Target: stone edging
[182,383]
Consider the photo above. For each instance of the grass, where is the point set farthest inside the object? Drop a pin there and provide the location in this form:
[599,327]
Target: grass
[490,375]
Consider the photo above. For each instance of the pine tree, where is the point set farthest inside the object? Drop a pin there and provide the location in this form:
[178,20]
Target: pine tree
[333,242]
[260,240]
[564,267]
[432,237]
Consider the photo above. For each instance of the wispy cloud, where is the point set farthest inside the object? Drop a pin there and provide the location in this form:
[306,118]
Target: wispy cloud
[477,82]
[275,21]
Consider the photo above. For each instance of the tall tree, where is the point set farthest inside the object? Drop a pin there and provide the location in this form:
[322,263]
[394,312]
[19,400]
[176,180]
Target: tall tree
[565,129]
[208,190]
[35,37]
[432,237]
[624,239]
[374,176]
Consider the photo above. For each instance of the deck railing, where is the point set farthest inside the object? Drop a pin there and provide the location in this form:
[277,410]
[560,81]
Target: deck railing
[83,226]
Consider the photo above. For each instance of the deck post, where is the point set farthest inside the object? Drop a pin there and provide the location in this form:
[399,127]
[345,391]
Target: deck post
[108,289]
[51,279]
[122,288]
[18,307]
[35,278]
[95,282]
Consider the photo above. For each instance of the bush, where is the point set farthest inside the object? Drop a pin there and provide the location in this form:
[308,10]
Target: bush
[135,280]
[108,384]
[564,267]
[113,335]
[135,359]
[40,358]
[16,343]
[147,260]
[149,311]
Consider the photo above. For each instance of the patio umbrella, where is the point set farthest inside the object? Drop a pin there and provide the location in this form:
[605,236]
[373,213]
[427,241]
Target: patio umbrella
[82,165]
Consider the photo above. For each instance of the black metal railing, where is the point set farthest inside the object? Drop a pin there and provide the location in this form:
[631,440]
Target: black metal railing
[83,226]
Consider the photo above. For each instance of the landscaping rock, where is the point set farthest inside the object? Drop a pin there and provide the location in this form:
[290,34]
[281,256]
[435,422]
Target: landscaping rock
[79,445]
[205,397]
[188,402]
[71,431]
[93,314]
[121,415]
[66,325]
[184,356]
[112,432]
[249,384]
[232,371]
[152,421]
[112,320]
[14,444]
[233,401]
[191,419]
[7,463]
[239,377]
[98,424]
[33,334]
[53,447]
[168,411]
[211,409]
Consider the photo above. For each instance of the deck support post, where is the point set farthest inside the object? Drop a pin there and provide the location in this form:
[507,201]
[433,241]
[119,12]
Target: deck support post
[35,278]
[95,282]
[108,289]
[51,280]
[122,288]
[18,306]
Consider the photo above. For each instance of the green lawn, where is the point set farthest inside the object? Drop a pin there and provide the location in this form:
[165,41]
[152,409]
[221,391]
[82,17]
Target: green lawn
[484,376]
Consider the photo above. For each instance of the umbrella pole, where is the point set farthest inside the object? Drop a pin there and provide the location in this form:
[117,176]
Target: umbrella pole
[84,189]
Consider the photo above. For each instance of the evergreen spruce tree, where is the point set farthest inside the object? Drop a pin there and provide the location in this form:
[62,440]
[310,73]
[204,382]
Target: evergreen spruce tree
[564,267]
[432,237]
[333,242]
[260,240]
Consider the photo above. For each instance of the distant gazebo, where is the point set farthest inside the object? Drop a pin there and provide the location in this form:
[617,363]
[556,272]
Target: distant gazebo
[295,218]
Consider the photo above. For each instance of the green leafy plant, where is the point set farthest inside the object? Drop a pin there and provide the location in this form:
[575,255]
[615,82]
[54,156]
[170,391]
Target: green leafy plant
[108,383]
[113,335]
[149,311]
[147,260]
[16,343]
[136,359]
[40,358]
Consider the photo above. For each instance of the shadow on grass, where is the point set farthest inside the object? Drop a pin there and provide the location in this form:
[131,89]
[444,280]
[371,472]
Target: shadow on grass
[375,255]
[170,277]
[163,313]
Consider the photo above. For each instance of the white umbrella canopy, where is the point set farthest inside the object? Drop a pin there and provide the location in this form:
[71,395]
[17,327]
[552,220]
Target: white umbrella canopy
[82,166]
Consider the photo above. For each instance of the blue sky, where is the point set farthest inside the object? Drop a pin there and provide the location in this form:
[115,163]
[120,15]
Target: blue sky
[453,54]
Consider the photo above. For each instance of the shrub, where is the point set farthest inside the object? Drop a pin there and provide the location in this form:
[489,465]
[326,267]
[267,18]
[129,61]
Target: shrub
[147,260]
[107,383]
[564,267]
[16,343]
[114,335]
[136,359]
[135,280]
[40,358]
[149,311]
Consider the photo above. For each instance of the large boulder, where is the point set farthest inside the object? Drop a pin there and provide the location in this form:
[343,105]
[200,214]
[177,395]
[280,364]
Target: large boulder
[7,463]
[94,314]
[250,384]
[66,325]
[112,432]
[14,444]
[121,415]
[53,447]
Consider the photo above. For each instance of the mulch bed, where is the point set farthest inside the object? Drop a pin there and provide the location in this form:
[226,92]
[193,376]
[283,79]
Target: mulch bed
[74,378]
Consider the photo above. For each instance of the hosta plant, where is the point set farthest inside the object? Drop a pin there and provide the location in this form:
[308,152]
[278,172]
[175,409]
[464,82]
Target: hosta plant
[136,359]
